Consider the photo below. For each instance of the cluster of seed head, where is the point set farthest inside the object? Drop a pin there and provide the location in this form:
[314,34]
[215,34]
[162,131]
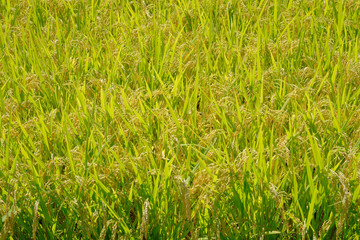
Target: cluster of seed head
[185,198]
[104,229]
[35,220]
[10,219]
[114,231]
[145,220]
[345,202]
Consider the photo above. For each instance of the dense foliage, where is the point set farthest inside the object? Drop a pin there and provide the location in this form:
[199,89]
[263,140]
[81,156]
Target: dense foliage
[179,119]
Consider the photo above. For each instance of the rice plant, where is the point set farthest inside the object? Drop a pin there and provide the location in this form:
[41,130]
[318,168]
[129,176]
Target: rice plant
[179,119]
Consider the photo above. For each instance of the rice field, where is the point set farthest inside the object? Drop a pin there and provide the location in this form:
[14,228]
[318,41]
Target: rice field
[180,119]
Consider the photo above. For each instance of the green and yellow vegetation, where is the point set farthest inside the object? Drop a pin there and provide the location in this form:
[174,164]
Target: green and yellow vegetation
[179,119]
